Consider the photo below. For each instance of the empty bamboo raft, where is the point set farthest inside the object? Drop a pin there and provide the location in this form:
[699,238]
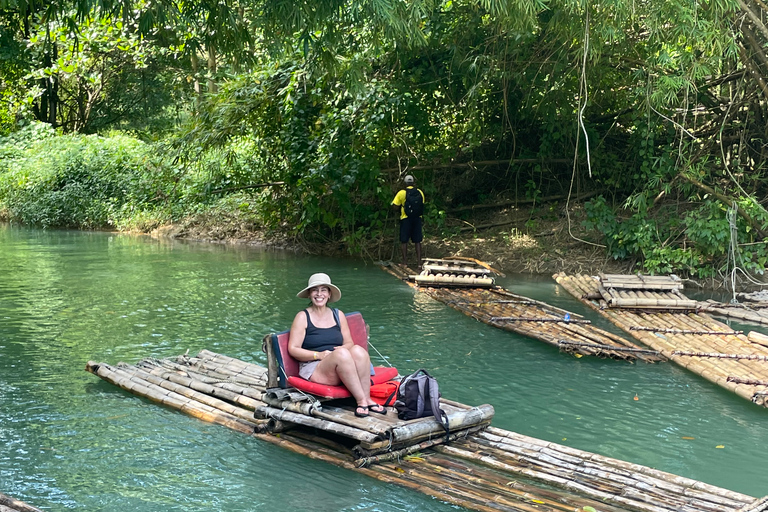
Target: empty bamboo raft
[8,504]
[500,308]
[489,470]
[747,310]
[689,338]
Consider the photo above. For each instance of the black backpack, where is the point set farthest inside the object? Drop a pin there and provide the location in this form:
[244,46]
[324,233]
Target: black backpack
[414,203]
[418,397]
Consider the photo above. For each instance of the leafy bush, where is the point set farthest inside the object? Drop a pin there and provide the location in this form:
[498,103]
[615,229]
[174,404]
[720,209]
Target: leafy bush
[70,181]
[695,243]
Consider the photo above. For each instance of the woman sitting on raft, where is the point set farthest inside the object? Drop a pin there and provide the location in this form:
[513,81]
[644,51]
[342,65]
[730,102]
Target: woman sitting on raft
[323,345]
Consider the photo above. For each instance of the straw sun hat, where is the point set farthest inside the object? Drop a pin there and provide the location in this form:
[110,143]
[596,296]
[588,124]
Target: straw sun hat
[320,279]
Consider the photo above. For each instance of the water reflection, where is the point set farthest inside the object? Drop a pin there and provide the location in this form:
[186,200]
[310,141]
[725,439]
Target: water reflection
[72,441]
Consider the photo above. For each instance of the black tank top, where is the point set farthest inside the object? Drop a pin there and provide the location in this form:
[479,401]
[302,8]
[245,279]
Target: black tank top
[319,339]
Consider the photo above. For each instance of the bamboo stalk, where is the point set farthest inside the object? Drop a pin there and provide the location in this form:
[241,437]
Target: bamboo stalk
[645,488]
[760,505]
[198,396]
[682,331]
[751,382]
[535,443]
[381,472]
[170,399]
[397,454]
[551,479]
[310,421]
[456,420]
[500,484]
[14,505]
[534,319]
[715,355]
[610,347]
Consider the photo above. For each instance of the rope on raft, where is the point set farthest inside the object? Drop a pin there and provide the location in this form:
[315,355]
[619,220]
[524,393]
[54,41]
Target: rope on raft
[716,355]
[375,459]
[749,382]
[480,303]
[682,331]
[761,505]
[608,347]
[534,319]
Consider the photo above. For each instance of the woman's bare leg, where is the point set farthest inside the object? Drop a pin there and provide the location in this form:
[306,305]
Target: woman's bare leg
[340,367]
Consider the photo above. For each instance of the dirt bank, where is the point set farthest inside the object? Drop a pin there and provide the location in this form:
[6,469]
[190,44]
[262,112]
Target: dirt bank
[512,240]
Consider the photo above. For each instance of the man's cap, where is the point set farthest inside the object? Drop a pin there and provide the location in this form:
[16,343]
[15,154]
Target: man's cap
[408,180]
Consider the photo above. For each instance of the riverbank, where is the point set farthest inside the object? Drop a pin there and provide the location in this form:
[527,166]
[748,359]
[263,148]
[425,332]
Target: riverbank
[513,240]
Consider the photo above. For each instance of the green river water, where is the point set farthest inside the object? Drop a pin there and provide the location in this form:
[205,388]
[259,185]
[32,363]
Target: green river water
[69,441]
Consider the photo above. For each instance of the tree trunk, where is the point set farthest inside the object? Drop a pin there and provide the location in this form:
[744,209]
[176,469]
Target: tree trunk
[195,67]
[212,87]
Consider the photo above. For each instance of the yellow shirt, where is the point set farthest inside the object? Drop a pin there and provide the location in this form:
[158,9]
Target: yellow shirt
[399,200]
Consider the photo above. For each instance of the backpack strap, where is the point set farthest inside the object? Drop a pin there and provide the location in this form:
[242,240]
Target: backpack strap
[440,415]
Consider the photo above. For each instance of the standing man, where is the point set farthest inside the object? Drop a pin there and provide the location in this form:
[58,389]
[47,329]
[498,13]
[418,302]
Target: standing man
[410,203]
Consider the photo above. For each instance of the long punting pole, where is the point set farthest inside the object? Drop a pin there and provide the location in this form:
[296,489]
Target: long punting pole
[536,319]
[693,340]
[488,470]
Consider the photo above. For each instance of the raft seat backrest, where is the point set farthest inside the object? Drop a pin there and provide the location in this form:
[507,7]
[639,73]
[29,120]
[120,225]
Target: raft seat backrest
[288,367]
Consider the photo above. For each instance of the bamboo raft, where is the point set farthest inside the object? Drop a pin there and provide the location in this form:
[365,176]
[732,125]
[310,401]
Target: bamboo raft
[495,306]
[754,312]
[486,470]
[8,504]
[689,338]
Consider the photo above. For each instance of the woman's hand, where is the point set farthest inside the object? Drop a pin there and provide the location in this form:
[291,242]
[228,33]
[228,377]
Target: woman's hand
[325,353]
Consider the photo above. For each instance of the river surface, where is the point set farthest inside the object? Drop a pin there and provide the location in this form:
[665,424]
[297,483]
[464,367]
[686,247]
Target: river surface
[69,440]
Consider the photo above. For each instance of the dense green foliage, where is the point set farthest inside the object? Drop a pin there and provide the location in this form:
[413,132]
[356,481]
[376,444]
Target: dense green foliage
[301,117]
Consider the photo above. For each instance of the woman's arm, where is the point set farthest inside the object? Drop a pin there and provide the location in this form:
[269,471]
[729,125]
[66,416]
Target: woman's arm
[296,339]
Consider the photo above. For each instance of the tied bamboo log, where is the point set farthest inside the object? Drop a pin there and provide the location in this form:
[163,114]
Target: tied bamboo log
[456,419]
[716,355]
[610,347]
[540,320]
[14,505]
[397,454]
[760,505]
[684,331]
[751,382]
[310,421]
[170,399]
[477,262]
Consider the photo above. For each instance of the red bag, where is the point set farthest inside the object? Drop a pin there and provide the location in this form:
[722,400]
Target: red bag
[385,393]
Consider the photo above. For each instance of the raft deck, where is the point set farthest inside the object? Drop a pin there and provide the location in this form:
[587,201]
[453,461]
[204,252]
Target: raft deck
[748,311]
[489,470]
[689,338]
[500,308]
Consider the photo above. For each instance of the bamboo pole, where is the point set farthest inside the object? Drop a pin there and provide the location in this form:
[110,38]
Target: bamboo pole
[682,331]
[397,454]
[538,444]
[170,399]
[555,462]
[611,347]
[310,421]
[760,505]
[751,382]
[534,319]
[715,355]
[14,505]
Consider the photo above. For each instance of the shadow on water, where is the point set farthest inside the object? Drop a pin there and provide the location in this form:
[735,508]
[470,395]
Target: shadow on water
[72,441]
